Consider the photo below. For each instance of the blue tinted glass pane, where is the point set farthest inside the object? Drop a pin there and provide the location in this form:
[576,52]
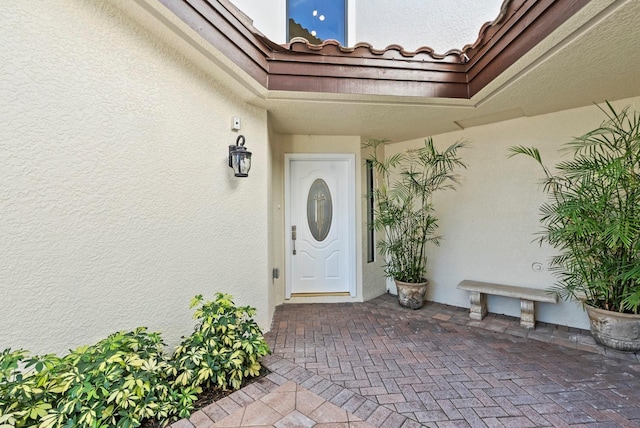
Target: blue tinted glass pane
[317,20]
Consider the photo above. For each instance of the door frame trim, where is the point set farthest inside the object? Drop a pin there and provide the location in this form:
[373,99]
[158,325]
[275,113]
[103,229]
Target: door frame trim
[351,195]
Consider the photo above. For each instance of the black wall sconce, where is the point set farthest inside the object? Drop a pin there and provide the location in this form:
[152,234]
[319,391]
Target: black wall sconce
[239,158]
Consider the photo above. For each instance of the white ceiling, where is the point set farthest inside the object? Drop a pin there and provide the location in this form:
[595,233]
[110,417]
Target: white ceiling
[593,57]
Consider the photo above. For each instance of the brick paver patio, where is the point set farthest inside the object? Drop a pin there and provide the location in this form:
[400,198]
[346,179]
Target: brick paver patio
[377,364]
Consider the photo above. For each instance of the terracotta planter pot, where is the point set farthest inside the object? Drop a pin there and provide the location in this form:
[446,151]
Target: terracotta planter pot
[411,295]
[615,330]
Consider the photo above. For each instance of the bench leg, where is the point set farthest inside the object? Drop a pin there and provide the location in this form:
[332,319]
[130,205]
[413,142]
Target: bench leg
[527,314]
[478,305]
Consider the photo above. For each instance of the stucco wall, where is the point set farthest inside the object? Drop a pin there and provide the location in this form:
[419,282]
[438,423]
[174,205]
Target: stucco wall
[441,25]
[269,16]
[373,278]
[489,223]
[117,205]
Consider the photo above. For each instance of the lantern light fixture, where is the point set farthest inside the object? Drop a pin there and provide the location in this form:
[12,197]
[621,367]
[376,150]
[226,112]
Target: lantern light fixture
[239,158]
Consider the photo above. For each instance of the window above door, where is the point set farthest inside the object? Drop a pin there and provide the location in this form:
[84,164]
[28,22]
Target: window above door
[317,20]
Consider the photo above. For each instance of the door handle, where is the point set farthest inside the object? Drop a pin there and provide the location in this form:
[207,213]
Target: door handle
[293,238]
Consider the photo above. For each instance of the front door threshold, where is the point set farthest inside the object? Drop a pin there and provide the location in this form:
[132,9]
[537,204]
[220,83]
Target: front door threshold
[346,293]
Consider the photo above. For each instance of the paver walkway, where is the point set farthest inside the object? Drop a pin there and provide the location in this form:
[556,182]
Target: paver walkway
[377,364]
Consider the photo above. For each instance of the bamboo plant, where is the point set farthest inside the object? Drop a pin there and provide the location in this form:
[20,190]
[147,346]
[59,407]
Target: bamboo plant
[403,208]
[593,214]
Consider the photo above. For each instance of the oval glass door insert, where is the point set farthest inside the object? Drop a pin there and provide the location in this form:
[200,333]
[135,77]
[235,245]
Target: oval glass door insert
[319,210]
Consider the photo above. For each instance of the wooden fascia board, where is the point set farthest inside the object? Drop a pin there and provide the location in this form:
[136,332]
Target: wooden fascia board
[325,73]
[223,30]
[362,71]
[359,86]
[529,25]
[523,25]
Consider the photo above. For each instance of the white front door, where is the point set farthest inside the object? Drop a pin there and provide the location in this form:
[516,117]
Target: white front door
[320,223]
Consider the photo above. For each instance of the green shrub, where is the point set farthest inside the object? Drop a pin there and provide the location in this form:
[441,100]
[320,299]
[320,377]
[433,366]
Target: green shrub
[116,382]
[126,377]
[593,214]
[224,347]
[404,212]
[29,387]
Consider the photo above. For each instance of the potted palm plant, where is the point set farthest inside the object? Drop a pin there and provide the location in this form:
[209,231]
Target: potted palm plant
[593,218]
[404,211]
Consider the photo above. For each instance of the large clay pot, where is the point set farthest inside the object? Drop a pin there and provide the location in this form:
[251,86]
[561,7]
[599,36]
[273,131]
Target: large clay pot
[411,295]
[615,330]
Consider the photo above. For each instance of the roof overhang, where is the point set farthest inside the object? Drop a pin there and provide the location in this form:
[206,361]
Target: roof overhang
[537,57]
[364,70]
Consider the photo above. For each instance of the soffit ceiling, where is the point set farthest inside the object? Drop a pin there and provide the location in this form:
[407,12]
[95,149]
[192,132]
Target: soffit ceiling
[591,57]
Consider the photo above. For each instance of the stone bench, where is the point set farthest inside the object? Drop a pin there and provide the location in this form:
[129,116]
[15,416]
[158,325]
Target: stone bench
[527,296]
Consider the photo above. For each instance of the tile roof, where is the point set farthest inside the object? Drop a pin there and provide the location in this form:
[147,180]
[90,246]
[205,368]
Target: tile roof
[395,51]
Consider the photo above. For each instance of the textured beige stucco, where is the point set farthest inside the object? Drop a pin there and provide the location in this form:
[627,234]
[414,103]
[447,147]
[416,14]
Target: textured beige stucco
[268,16]
[489,223]
[373,278]
[117,205]
[441,25]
